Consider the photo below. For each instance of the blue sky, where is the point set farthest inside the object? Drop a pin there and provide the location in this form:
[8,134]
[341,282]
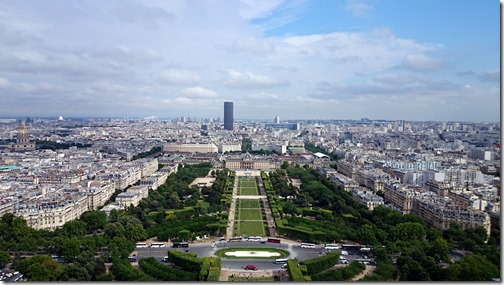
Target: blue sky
[298,59]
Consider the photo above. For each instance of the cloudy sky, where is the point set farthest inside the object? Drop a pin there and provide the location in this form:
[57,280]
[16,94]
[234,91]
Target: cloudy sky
[299,59]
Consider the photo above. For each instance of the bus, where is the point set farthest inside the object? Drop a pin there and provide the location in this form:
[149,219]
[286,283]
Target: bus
[273,240]
[157,244]
[365,249]
[307,245]
[257,238]
[281,261]
[177,244]
[351,246]
[235,239]
[141,245]
[332,246]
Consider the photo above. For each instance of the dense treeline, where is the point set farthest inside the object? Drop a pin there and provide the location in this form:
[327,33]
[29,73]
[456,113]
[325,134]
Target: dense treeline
[423,253]
[152,151]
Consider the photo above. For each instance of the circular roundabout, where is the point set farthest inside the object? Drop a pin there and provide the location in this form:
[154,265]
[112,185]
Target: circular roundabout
[251,253]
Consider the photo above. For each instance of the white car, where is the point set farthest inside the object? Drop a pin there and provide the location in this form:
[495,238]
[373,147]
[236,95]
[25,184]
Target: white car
[344,252]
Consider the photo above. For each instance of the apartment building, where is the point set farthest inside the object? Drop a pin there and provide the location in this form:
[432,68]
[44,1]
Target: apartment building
[440,214]
[366,198]
[400,196]
[50,215]
[99,192]
[348,168]
[374,180]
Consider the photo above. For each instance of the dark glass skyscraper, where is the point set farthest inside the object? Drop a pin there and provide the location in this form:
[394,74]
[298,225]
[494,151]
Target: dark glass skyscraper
[228,116]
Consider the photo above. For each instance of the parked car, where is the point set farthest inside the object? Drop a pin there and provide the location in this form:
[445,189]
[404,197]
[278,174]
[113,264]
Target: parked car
[284,266]
[250,267]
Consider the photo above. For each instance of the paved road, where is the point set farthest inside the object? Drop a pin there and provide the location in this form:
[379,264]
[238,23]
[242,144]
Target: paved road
[209,248]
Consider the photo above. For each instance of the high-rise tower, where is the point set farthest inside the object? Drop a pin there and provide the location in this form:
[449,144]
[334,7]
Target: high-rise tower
[228,116]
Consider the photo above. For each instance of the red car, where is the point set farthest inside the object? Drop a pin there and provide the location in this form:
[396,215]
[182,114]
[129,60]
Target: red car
[250,267]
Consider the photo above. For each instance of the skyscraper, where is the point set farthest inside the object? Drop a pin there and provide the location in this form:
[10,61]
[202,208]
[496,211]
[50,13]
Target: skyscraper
[228,116]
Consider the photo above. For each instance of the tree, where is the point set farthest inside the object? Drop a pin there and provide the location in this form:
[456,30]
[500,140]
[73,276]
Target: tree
[285,165]
[73,272]
[37,272]
[4,258]
[135,232]
[366,235]
[114,216]
[94,219]
[184,235]
[439,249]
[410,231]
[70,247]
[474,267]
[114,229]
[74,228]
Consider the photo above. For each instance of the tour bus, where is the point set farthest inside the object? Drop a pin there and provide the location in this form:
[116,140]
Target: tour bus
[351,246]
[141,245]
[177,244]
[257,238]
[332,246]
[365,249]
[273,240]
[308,245]
[157,244]
[281,261]
[235,239]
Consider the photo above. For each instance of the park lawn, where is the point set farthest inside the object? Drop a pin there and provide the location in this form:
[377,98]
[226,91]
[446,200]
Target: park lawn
[249,203]
[247,183]
[249,214]
[249,228]
[248,191]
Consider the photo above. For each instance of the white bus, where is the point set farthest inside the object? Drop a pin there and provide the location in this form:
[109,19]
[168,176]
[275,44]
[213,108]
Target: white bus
[141,244]
[157,244]
[308,245]
[257,238]
[281,261]
[332,246]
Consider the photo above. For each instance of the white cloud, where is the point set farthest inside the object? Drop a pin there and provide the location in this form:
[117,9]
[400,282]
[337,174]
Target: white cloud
[359,9]
[178,76]
[252,9]
[253,45]
[248,79]
[199,92]
[4,82]
[422,62]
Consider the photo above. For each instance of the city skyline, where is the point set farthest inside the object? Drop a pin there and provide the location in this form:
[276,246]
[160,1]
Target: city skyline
[391,60]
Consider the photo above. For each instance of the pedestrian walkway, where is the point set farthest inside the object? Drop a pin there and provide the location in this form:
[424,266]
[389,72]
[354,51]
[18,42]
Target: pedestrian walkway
[267,209]
[232,210]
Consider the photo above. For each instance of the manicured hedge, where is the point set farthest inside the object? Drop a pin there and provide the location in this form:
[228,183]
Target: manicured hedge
[187,261]
[164,273]
[295,273]
[206,267]
[319,264]
[306,235]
